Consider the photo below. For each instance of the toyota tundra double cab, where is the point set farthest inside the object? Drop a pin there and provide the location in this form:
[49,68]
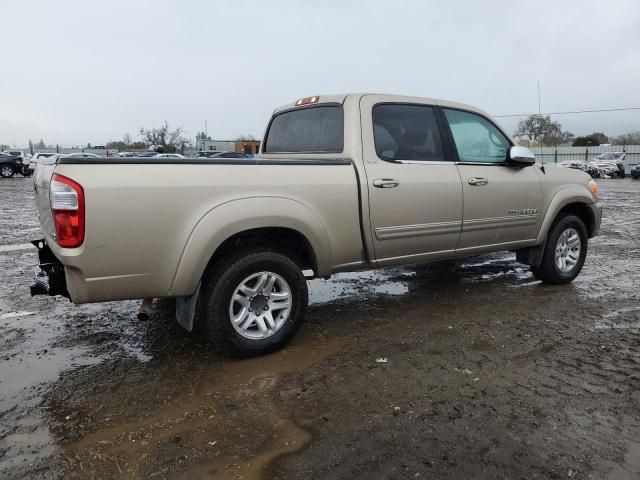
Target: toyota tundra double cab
[342,183]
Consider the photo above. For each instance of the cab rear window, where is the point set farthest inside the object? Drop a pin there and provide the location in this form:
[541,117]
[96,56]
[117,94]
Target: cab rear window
[318,129]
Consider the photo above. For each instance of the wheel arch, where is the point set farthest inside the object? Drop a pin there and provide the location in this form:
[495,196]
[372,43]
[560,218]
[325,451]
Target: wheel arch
[278,223]
[573,201]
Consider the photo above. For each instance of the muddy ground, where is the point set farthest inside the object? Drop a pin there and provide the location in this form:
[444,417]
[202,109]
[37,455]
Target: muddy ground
[473,372]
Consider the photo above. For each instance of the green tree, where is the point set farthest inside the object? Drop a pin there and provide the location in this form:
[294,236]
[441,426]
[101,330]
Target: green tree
[41,144]
[587,141]
[601,137]
[536,127]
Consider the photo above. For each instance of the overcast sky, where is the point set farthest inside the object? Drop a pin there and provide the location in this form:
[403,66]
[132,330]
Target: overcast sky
[78,71]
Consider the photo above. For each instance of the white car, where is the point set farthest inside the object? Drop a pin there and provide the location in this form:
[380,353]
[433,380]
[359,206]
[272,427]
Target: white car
[37,157]
[169,155]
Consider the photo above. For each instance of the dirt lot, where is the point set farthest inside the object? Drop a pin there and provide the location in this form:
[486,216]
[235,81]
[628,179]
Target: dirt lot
[476,371]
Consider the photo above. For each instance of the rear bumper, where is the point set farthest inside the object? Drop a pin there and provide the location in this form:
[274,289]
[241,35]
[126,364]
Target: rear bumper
[50,278]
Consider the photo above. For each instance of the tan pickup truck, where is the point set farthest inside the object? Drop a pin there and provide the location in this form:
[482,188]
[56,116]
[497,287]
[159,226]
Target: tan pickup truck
[342,183]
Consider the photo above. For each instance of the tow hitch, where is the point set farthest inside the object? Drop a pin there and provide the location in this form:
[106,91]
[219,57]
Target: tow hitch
[49,276]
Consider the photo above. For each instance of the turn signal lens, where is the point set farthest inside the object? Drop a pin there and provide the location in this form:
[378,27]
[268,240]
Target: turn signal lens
[593,186]
[67,209]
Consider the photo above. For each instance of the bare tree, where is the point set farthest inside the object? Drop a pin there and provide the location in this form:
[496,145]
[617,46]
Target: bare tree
[631,138]
[126,139]
[171,140]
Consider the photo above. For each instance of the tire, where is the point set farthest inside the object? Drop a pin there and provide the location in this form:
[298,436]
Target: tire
[6,171]
[549,270]
[233,278]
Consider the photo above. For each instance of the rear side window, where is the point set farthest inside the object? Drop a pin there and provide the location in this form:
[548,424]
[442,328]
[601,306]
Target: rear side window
[406,132]
[309,130]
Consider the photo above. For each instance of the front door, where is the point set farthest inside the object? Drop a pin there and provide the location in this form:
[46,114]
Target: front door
[501,202]
[415,194]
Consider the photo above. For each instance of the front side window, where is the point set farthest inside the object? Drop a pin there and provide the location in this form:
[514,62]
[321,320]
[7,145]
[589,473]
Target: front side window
[406,132]
[308,130]
[477,139]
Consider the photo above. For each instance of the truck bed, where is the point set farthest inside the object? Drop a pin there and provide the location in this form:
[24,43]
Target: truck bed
[152,224]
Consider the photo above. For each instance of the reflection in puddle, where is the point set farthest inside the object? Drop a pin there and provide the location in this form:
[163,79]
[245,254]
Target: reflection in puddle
[367,284]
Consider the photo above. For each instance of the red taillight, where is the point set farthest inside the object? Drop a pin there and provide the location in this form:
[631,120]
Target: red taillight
[307,101]
[67,208]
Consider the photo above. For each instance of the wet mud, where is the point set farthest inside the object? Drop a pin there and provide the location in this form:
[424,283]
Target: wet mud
[469,369]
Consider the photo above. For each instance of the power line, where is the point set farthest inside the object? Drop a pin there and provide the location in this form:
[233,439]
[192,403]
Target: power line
[571,112]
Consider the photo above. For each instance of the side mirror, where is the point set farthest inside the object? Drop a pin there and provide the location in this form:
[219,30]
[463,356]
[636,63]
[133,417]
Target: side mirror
[520,156]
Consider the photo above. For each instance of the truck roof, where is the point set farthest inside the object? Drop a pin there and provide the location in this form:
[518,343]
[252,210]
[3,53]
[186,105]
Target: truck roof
[342,98]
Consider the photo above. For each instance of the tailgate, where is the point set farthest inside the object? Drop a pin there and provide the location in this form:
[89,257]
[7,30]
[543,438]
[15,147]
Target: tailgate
[42,182]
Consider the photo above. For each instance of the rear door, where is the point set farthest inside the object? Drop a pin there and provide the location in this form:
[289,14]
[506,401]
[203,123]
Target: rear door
[415,194]
[501,202]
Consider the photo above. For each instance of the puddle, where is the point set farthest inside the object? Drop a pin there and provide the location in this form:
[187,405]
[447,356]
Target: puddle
[15,248]
[609,321]
[15,315]
[630,467]
[235,382]
[25,368]
[361,284]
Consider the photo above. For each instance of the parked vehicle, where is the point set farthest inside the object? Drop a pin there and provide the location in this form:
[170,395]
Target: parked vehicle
[170,155]
[212,154]
[39,155]
[635,171]
[610,164]
[8,165]
[588,167]
[145,154]
[575,164]
[345,182]
[12,163]
[15,153]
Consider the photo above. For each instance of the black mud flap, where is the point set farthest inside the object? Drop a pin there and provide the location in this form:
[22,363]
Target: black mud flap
[186,310]
[531,255]
[49,275]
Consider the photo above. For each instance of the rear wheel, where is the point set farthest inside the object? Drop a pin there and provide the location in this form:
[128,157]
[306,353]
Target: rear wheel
[6,171]
[564,253]
[254,302]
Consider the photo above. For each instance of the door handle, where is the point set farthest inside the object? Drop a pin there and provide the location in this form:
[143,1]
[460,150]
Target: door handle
[477,181]
[385,183]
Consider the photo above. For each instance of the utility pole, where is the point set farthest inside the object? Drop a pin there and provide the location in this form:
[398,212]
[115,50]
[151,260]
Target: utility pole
[539,107]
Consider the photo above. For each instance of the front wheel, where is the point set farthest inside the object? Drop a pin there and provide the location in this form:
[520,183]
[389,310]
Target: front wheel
[6,171]
[254,302]
[564,252]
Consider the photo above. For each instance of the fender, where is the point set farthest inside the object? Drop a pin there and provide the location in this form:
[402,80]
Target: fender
[564,196]
[242,214]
